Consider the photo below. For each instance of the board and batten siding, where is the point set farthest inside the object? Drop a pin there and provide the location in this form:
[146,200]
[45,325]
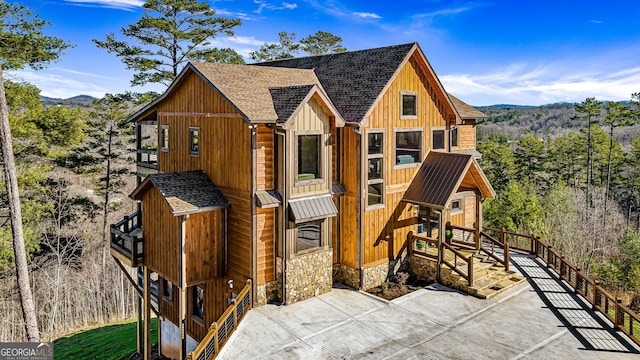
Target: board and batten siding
[160,233]
[312,117]
[348,211]
[385,229]
[225,156]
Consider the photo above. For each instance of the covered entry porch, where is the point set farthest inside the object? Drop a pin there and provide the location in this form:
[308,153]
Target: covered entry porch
[448,242]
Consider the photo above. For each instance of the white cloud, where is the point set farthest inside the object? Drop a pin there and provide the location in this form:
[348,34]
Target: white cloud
[534,85]
[113,4]
[264,4]
[367,15]
[241,15]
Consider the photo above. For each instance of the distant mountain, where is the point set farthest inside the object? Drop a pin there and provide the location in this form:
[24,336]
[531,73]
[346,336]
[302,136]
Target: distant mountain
[505,106]
[76,101]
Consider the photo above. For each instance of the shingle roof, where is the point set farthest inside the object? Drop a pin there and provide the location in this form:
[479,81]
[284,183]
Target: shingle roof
[287,99]
[440,177]
[353,80]
[185,192]
[248,88]
[465,110]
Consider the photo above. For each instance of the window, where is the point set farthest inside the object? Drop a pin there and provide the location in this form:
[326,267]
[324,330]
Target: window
[375,173]
[194,141]
[309,160]
[167,291]
[437,140]
[453,135]
[456,206]
[309,235]
[409,105]
[197,302]
[408,147]
[164,137]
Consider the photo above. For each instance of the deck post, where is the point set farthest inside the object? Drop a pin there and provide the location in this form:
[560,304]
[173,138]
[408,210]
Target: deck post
[139,325]
[595,294]
[478,224]
[147,314]
[619,314]
[183,288]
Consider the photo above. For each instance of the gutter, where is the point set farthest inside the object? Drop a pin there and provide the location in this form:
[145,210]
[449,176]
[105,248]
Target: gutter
[283,221]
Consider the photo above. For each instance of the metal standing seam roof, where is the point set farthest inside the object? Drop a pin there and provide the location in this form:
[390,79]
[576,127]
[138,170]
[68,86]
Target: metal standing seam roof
[439,178]
[312,208]
[185,192]
[353,80]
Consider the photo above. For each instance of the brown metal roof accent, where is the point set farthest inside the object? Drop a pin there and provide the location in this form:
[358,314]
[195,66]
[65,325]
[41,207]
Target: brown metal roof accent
[442,175]
[337,189]
[312,208]
[185,192]
[267,199]
[465,110]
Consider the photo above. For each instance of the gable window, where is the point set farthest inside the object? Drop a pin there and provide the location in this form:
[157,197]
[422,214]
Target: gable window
[309,235]
[408,147]
[197,303]
[375,168]
[167,291]
[437,139]
[453,136]
[164,137]
[409,105]
[309,157]
[194,141]
[456,206]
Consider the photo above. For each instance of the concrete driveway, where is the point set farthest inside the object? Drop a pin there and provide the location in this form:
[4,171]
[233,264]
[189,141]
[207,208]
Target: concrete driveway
[540,319]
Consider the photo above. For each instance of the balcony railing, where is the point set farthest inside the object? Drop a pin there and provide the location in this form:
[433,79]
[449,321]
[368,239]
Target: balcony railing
[147,158]
[126,239]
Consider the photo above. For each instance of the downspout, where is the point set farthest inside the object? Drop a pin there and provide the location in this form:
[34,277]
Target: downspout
[283,221]
[253,249]
[440,246]
[183,286]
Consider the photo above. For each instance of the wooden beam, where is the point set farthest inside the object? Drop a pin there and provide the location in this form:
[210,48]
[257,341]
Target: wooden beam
[147,314]
[183,287]
[133,283]
[139,325]
[478,224]
[199,114]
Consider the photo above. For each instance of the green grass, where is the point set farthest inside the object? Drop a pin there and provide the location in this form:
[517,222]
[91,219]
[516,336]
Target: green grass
[114,341]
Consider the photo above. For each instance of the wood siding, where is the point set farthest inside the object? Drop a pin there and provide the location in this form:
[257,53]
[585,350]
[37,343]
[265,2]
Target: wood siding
[466,137]
[385,229]
[348,213]
[204,246]
[161,236]
[265,218]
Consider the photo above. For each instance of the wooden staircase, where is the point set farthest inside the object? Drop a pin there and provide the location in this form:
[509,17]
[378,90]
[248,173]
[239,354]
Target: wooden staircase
[490,278]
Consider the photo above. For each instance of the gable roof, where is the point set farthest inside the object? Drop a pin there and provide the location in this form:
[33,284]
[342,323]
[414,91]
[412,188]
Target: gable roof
[353,80]
[465,110]
[442,175]
[185,192]
[287,99]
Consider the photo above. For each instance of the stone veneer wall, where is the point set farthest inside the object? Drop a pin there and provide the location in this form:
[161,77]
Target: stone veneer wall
[376,275]
[426,269]
[309,275]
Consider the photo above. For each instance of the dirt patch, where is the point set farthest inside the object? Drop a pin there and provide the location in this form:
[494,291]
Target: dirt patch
[401,284]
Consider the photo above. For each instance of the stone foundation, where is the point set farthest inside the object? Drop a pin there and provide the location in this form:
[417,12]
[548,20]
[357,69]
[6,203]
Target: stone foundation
[309,275]
[376,275]
[426,269]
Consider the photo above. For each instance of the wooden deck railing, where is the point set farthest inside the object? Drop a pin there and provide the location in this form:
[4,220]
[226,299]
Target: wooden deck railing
[463,265]
[220,330]
[147,158]
[128,247]
[489,245]
[463,236]
[623,318]
[424,246]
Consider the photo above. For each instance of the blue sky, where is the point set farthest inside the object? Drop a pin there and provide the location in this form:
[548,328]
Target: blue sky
[485,52]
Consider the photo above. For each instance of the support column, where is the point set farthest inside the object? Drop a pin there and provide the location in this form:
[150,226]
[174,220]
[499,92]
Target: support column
[147,314]
[478,223]
[139,325]
[183,288]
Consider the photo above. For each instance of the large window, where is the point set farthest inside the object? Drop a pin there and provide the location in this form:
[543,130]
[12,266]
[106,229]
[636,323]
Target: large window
[197,302]
[409,105]
[375,173]
[194,141]
[408,147]
[164,137]
[309,235]
[437,139]
[309,157]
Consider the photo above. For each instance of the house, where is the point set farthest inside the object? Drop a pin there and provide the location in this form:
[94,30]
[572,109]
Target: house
[293,174]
